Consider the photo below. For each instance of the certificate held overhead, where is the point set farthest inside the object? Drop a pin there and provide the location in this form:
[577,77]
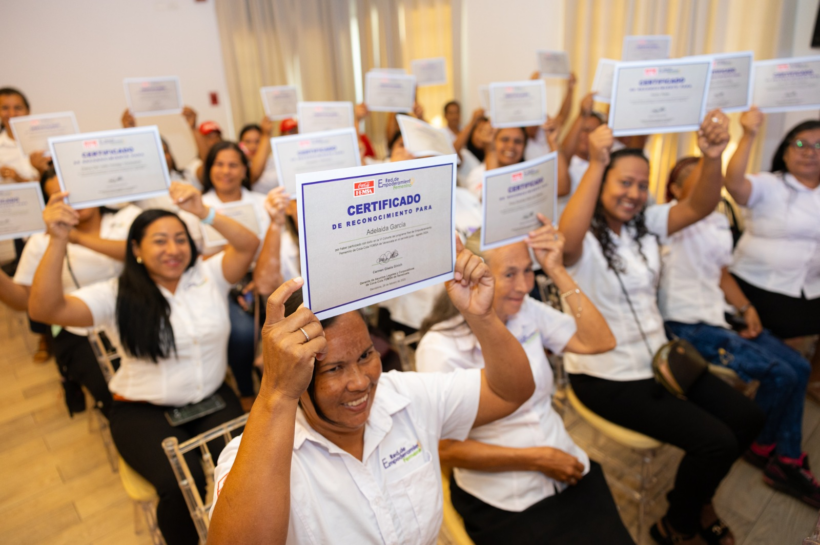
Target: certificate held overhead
[369,234]
[301,153]
[518,104]
[422,139]
[33,131]
[21,210]
[153,96]
[99,168]
[787,85]
[389,92]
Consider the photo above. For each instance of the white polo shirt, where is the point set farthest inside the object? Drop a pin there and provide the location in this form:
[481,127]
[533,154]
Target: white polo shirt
[693,259]
[269,178]
[475,180]
[189,172]
[11,156]
[780,247]
[630,360]
[199,318]
[393,496]
[534,424]
[248,197]
[88,266]
[537,146]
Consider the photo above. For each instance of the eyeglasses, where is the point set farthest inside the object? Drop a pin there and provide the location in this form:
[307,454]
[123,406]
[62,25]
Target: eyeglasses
[804,145]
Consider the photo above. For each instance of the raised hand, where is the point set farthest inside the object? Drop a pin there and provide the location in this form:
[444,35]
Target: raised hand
[586,104]
[713,135]
[275,203]
[547,244]
[551,128]
[59,217]
[418,110]
[360,111]
[39,161]
[287,353]
[189,199]
[600,144]
[473,286]
[127,120]
[190,116]
[751,120]
[267,126]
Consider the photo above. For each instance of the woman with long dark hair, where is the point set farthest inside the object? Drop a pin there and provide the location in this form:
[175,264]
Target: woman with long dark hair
[612,251]
[506,148]
[777,259]
[167,315]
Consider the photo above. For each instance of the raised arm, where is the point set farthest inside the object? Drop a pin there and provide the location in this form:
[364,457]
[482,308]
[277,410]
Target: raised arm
[577,216]
[260,476]
[506,380]
[464,135]
[592,335]
[713,137]
[115,249]
[242,242]
[13,295]
[201,144]
[570,142]
[551,129]
[260,159]
[267,275]
[360,111]
[566,105]
[736,183]
[48,303]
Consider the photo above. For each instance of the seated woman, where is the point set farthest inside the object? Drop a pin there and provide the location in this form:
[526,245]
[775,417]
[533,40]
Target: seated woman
[167,315]
[355,457]
[612,252]
[506,148]
[694,285]
[777,260]
[521,479]
[14,165]
[94,253]
[472,143]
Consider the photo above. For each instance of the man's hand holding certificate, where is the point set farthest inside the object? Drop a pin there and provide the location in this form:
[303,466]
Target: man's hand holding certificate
[324,116]
[513,197]
[659,96]
[518,104]
[279,101]
[422,139]
[372,233]
[33,131]
[153,96]
[389,92]
[21,210]
[110,167]
[301,153]
[785,85]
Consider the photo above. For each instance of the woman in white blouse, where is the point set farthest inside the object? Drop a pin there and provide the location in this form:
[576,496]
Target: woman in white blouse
[522,479]
[167,315]
[777,260]
[612,252]
[335,451]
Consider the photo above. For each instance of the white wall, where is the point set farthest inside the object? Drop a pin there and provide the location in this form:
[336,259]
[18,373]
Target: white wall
[499,40]
[74,54]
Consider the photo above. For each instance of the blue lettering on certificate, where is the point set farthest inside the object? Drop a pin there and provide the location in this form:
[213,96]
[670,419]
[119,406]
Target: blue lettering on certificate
[101,153]
[326,149]
[384,204]
[525,185]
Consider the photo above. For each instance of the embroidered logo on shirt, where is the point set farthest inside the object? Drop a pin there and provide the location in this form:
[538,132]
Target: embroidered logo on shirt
[403,455]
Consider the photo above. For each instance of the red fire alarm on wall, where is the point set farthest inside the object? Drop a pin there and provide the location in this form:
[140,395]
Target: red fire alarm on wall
[214,98]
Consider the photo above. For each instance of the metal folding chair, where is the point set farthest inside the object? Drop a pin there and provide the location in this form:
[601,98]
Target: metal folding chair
[402,345]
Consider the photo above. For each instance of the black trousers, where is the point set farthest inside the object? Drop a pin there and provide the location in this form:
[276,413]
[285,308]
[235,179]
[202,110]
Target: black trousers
[78,366]
[580,515]
[138,430]
[714,427]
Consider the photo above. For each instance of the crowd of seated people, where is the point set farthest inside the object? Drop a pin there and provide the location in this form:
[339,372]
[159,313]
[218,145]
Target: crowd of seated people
[183,314]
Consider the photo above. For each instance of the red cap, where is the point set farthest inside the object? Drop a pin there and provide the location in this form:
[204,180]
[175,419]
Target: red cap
[287,125]
[207,127]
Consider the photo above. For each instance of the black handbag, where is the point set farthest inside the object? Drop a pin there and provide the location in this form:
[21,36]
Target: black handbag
[677,365]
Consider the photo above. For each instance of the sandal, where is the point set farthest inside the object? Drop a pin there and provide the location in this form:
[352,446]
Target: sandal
[671,537]
[717,531]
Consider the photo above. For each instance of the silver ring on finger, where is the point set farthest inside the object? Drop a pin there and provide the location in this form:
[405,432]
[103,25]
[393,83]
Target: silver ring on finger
[307,337]
[715,119]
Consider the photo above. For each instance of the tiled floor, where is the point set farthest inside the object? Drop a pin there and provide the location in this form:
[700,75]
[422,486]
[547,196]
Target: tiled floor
[58,487]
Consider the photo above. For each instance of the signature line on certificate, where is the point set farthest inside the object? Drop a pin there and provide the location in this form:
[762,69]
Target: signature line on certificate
[382,234]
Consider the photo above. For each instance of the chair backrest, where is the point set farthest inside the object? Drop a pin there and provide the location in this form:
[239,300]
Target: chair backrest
[402,345]
[176,456]
[105,353]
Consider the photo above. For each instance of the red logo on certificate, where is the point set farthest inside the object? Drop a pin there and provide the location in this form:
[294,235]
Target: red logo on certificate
[650,71]
[91,144]
[782,67]
[362,189]
[517,176]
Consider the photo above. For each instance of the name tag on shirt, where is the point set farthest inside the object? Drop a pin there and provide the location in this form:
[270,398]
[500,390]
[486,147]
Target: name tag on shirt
[401,457]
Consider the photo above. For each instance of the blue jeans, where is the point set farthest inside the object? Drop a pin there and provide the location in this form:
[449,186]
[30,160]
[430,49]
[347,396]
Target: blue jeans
[782,372]
[241,350]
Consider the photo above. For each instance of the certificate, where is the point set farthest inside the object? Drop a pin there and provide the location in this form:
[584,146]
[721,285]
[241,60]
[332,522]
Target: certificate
[422,139]
[389,92]
[279,101]
[730,88]
[299,153]
[98,168]
[484,97]
[785,85]
[21,210]
[553,64]
[646,48]
[518,103]
[33,131]
[429,71]
[153,96]
[602,84]
[243,212]
[372,233]
[324,116]
[655,97]
[513,197]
